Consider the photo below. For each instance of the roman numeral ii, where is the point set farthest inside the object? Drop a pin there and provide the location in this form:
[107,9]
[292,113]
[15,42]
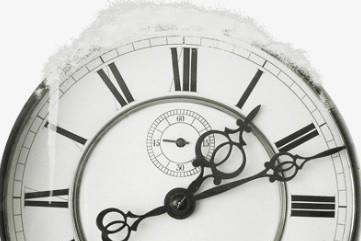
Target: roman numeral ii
[297,138]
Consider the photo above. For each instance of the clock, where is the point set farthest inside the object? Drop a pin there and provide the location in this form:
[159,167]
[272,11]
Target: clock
[184,136]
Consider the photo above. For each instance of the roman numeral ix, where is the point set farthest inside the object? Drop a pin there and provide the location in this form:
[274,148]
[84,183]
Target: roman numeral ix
[66,133]
[45,199]
[297,138]
[190,58]
[313,206]
[123,87]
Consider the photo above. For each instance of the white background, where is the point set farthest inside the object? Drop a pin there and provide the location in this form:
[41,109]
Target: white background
[329,31]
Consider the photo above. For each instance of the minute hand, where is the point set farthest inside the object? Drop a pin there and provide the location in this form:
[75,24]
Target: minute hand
[274,170]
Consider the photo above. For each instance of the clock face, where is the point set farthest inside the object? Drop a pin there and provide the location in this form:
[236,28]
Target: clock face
[134,127]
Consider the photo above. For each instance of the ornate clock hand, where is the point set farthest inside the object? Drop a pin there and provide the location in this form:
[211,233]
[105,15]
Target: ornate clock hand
[202,162]
[180,203]
[280,170]
[122,224]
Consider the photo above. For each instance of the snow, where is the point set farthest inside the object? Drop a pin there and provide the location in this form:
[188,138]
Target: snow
[124,21]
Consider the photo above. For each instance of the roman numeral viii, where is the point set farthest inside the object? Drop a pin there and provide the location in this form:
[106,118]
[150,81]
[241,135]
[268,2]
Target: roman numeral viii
[297,138]
[190,58]
[313,206]
[45,199]
[124,97]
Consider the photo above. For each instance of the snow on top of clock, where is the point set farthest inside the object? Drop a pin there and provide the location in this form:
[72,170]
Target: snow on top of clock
[125,21]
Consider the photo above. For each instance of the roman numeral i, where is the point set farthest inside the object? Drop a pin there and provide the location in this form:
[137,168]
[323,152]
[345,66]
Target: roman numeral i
[249,89]
[190,59]
[124,97]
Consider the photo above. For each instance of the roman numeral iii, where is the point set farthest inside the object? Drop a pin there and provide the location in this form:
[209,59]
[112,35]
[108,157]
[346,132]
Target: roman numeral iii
[190,59]
[297,138]
[45,199]
[313,206]
[124,97]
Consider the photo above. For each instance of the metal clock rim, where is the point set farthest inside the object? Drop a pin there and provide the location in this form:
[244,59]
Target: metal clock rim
[42,90]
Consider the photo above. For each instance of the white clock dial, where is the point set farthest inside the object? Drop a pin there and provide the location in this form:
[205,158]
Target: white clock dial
[126,134]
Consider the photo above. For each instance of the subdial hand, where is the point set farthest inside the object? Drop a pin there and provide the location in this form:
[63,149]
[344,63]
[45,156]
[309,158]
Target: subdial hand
[180,142]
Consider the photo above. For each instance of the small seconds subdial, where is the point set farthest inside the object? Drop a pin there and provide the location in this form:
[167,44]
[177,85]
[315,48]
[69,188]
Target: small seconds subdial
[172,138]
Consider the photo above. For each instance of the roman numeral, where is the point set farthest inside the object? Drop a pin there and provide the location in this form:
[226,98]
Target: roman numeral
[313,206]
[66,133]
[190,58]
[128,98]
[30,202]
[297,138]
[249,89]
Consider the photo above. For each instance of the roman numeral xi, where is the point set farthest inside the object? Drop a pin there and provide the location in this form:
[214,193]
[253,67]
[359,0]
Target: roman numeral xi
[123,96]
[190,59]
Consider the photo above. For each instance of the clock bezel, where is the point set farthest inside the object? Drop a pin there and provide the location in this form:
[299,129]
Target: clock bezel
[43,89]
